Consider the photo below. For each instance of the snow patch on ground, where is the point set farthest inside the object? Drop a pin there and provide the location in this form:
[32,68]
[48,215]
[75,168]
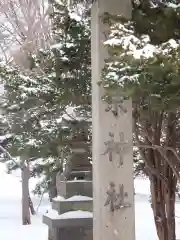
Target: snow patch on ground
[10,211]
[144,220]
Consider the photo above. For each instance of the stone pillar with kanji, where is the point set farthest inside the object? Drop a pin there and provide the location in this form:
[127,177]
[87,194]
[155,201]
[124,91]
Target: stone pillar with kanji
[113,188]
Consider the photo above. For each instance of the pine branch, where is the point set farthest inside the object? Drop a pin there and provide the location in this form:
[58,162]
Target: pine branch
[10,157]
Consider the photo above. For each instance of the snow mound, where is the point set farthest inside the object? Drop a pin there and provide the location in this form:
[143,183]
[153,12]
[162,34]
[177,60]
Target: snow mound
[77,214]
[79,198]
[53,214]
[59,198]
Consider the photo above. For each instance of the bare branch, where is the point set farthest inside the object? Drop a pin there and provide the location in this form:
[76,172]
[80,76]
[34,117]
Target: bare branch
[27,24]
[157,147]
[148,164]
[162,151]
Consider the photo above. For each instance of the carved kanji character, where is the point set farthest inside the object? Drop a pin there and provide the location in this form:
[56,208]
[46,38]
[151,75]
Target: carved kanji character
[115,147]
[116,199]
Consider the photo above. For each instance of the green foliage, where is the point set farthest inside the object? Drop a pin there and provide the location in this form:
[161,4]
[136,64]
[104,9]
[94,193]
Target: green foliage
[35,100]
[157,19]
[144,64]
[29,101]
[71,53]
[148,73]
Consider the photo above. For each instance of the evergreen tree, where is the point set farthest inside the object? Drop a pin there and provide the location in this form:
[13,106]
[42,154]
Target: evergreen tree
[71,64]
[36,100]
[144,65]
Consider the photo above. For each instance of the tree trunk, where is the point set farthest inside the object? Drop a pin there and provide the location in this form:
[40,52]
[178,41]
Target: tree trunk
[52,187]
[25,194]
[163,202]
[163,192]
[170,188]
[159,209]
[162,189]
[170,210]
[31,206]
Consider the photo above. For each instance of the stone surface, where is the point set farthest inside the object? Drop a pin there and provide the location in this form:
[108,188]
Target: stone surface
[53,222]
[86,175]
[65,227]
[79,157]
[80,162]
[71,233]
[71,205]
[62,221]
[76,187]
[113,189]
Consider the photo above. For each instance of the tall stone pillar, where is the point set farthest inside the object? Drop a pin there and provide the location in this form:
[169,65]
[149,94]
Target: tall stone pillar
[113,189]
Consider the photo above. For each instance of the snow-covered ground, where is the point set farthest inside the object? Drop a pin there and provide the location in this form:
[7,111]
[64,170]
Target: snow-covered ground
[145,228]
[10,212]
